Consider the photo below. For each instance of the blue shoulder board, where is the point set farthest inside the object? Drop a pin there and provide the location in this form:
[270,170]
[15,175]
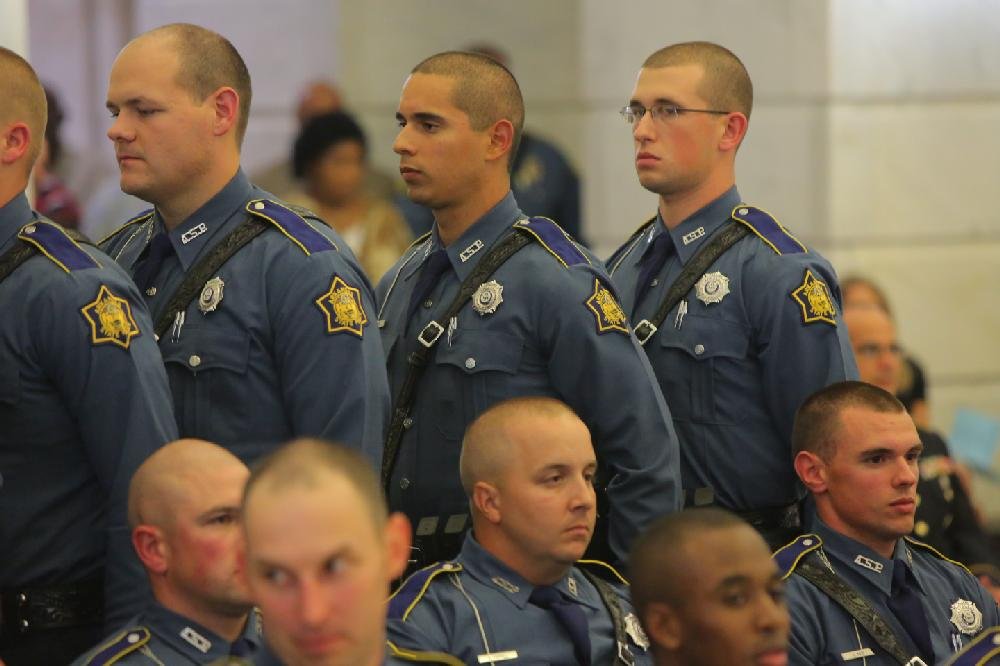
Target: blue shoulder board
[983,650]
[141,217]
[124,643]
[551,236]
[602,569]
[768,229]
[290,223]
[787,557]
[406,597]
[405,654]
[53,241]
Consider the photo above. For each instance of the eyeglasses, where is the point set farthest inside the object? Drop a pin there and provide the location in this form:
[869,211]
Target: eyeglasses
[633,113]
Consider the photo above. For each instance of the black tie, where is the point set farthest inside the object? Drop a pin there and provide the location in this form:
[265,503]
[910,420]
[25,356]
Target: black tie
[651,263]
[905,605]
[570,616]
[157,252]
[430,274]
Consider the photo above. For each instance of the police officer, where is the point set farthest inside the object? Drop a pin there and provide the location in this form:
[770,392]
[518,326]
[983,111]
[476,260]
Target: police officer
[707,591]
[945,518]
[274,341]
[856,450]
[513,592]
[749,332]
[184,511]
[321,552]
[83,401]
[544,322]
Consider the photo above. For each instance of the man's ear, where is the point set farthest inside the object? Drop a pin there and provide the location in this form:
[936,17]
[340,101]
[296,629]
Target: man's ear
[733,132]
[152,548]
[812,471]
[486,500]
[226,103]
[501,140]
[663,626]
[398,538]
[15,142]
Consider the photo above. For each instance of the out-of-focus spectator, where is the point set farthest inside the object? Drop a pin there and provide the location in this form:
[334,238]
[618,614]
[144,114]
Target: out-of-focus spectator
[53,198]
[911,388]
[330,160]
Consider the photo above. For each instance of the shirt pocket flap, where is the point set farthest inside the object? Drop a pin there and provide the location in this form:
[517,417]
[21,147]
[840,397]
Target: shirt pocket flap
[200,349]
[480,351]
[706,337]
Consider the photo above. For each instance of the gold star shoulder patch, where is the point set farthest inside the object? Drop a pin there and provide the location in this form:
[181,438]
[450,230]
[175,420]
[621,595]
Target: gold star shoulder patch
[341,305]
[609,315]
[110,318]
[813,296]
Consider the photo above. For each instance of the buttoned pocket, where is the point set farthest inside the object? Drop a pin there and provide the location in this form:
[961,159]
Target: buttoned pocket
[473,372]
[706,364]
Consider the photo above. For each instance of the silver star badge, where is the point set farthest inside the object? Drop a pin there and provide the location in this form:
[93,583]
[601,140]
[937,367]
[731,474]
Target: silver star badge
[711,288]
[487,298]
[966,617]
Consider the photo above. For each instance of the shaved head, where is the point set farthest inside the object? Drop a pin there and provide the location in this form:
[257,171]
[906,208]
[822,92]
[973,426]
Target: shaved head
[484,90]
[23,100]
[207,61]
[168,476]
[818,423]
[308,463]
[726,85]
[486,450]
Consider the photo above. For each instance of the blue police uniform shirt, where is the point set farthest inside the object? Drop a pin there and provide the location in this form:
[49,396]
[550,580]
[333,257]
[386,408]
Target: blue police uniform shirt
[476,605]
[83,402]
[548,336]
[824,633]
[735,370]
[274,359]
[160,636]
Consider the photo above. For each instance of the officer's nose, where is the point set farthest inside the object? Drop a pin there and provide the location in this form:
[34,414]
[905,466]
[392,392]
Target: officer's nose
[402,144]
[312,604]
[643,129]
[583,496]
[906,472]
[772,616]
[120,131]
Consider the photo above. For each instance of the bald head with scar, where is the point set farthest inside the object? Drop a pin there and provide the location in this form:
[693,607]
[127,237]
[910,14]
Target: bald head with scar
[184,511]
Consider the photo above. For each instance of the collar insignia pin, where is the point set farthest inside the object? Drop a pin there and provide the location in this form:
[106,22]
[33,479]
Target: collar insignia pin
[193,233]
[693,236]
[467,253]
[505,584]
[869,563]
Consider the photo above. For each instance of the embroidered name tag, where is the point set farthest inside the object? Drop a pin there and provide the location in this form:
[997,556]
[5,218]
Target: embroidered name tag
[857,654]
[493,657]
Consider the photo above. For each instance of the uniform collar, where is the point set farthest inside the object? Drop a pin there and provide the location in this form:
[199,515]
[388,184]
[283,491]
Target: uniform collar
[696,229]
[491,572]
[861,559]
[204,224]
[472,245]
[193,640]
[13,215]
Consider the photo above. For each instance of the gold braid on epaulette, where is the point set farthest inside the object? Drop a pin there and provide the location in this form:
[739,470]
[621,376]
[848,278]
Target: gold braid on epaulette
[135,220]
[936,553]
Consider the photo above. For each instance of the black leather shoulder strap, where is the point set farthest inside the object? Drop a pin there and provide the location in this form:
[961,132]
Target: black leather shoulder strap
[623,655]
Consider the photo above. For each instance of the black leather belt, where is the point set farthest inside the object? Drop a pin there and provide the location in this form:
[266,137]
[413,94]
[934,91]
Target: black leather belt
[55,607]
[787,516]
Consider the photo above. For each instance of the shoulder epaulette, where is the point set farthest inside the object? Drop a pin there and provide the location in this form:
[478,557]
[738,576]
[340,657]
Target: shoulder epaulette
[983,650]
[421,656]
[552,237]
[124,643]
[52,240]
[936,553]
[787,557]
[291,224]
[602,568]
[768,229]
[626,249]
[413,588]
[420,239]
[141,217]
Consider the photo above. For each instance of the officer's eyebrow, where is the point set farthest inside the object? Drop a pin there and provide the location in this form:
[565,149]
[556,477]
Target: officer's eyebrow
[222,509]
[424,116]
[133,101]
[887,451]
[658,100]
[736,580]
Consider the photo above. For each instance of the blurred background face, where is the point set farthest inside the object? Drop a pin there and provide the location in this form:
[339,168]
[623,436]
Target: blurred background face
[338,176]
[205,541]
[547,499]
[876,350]
[733,610]
[319,572]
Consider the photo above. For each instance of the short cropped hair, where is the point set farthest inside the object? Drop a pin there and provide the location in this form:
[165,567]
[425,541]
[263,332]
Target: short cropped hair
[817,421]
[656,564]
[321,133]
[726,85]
[304,462]
[209,61]
[23,99]
[485,90]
